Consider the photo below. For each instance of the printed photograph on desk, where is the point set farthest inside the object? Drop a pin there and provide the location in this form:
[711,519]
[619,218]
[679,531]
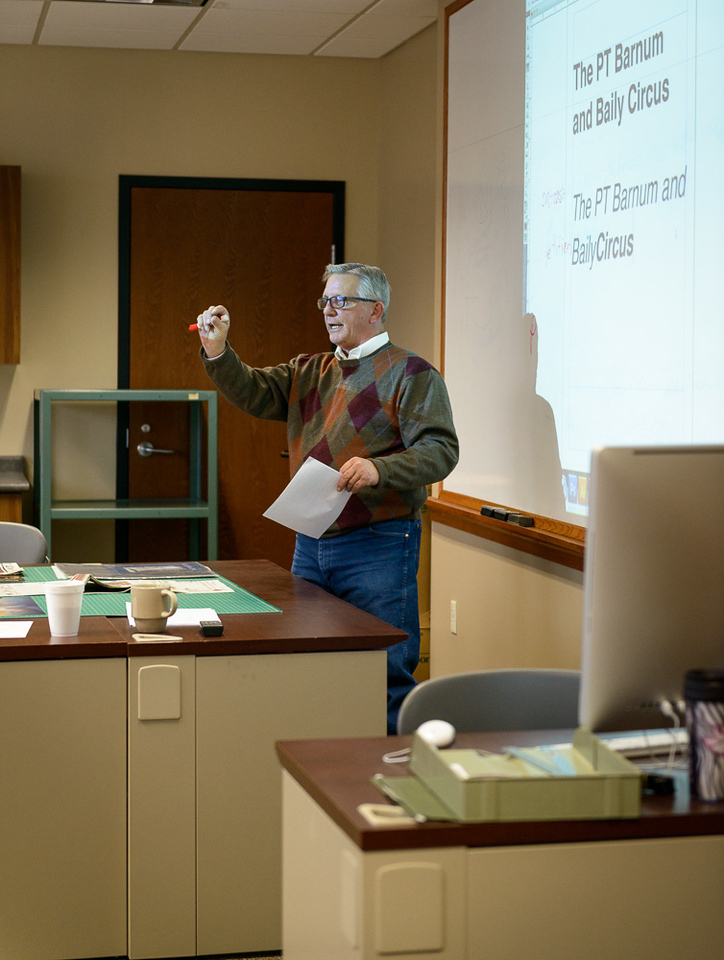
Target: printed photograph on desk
[19,607]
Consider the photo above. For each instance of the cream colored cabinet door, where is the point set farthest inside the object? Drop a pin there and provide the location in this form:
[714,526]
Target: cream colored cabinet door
[244,705]
[62,809]
[161,807]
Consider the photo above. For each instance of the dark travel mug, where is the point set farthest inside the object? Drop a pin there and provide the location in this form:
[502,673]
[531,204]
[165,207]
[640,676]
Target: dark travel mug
[704,695]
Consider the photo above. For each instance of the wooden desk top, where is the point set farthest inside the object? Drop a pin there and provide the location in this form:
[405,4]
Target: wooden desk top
[311,621]
[97,637]
[337,775]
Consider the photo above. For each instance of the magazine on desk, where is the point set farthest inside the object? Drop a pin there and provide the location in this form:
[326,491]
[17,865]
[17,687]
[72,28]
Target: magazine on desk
[11,573]
[103,573]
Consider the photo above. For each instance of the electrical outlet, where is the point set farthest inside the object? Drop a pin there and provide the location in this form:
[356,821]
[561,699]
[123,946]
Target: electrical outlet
[453,616]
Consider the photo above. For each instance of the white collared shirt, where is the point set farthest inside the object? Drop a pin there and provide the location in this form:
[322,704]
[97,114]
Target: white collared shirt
[364,349]
[356,353]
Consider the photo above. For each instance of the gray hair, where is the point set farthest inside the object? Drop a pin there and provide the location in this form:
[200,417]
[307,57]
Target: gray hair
[372,284]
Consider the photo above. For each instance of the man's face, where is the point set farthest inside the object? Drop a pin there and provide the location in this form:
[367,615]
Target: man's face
[355,323]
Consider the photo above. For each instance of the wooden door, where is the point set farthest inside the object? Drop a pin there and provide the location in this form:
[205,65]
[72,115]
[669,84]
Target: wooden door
[260,248]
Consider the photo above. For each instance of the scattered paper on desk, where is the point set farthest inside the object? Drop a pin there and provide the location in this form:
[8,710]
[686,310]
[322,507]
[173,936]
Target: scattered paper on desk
[310,503]
[14,629]
[185,617]
[27,589]
[198,586]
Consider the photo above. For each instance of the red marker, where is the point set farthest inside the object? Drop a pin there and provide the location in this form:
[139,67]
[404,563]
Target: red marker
[195,326]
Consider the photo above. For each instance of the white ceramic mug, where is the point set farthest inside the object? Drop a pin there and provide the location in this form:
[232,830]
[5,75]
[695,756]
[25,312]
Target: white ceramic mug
[64,599]
[151,605]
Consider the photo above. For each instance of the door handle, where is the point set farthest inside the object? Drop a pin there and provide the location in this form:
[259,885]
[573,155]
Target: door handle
[146,448]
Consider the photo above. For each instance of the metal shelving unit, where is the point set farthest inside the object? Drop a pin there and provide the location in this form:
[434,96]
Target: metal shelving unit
[194,507]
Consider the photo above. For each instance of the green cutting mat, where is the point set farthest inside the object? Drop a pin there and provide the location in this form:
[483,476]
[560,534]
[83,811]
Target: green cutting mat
[113,603]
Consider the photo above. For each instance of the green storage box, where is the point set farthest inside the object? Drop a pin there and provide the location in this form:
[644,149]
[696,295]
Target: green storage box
[584,780]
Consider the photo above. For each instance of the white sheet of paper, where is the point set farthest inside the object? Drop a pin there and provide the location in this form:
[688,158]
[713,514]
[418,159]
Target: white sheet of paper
[310,502]
[186,617]
[14,629]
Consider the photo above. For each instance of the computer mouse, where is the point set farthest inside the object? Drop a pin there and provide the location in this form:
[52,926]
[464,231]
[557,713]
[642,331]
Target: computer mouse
[439,733]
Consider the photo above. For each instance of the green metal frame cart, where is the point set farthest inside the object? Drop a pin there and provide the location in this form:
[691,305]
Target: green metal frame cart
[194,507]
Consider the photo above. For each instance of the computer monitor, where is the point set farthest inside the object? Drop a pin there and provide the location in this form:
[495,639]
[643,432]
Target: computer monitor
[653,581]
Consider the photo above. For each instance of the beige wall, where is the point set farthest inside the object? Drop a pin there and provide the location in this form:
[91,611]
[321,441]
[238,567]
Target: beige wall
[407,190]
[513,610]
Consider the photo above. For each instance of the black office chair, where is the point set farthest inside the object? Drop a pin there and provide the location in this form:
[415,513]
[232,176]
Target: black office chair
[21,543]
[489,700]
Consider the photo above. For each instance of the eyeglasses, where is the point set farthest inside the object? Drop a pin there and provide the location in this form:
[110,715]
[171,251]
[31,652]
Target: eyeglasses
[339,303]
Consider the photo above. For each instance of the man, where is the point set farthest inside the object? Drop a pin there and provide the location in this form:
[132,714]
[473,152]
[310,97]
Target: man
[378,414]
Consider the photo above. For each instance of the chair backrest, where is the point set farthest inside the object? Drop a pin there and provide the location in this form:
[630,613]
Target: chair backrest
[21,543]
[515,699]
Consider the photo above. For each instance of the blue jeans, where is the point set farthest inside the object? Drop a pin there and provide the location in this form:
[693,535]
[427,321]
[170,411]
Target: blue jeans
[374,568]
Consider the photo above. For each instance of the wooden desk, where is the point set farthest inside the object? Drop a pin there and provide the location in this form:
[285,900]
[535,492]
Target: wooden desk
[187,807]
[648,888]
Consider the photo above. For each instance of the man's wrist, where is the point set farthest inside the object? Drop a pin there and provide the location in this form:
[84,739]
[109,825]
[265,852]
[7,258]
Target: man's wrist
[216,355]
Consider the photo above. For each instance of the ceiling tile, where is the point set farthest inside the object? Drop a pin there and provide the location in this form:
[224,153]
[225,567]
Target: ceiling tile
[385,26]
[262,31]
[340,28]
[344,46]
[374,26]
[19,20]
[406,8]
[138,26]
[349,8]
[273,23]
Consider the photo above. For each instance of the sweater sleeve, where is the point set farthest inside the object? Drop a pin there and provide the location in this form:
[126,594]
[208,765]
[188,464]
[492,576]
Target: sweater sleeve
[259,391]
[428,434]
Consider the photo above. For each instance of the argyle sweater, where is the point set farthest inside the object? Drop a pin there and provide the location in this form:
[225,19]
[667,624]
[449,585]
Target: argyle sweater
[391,407]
